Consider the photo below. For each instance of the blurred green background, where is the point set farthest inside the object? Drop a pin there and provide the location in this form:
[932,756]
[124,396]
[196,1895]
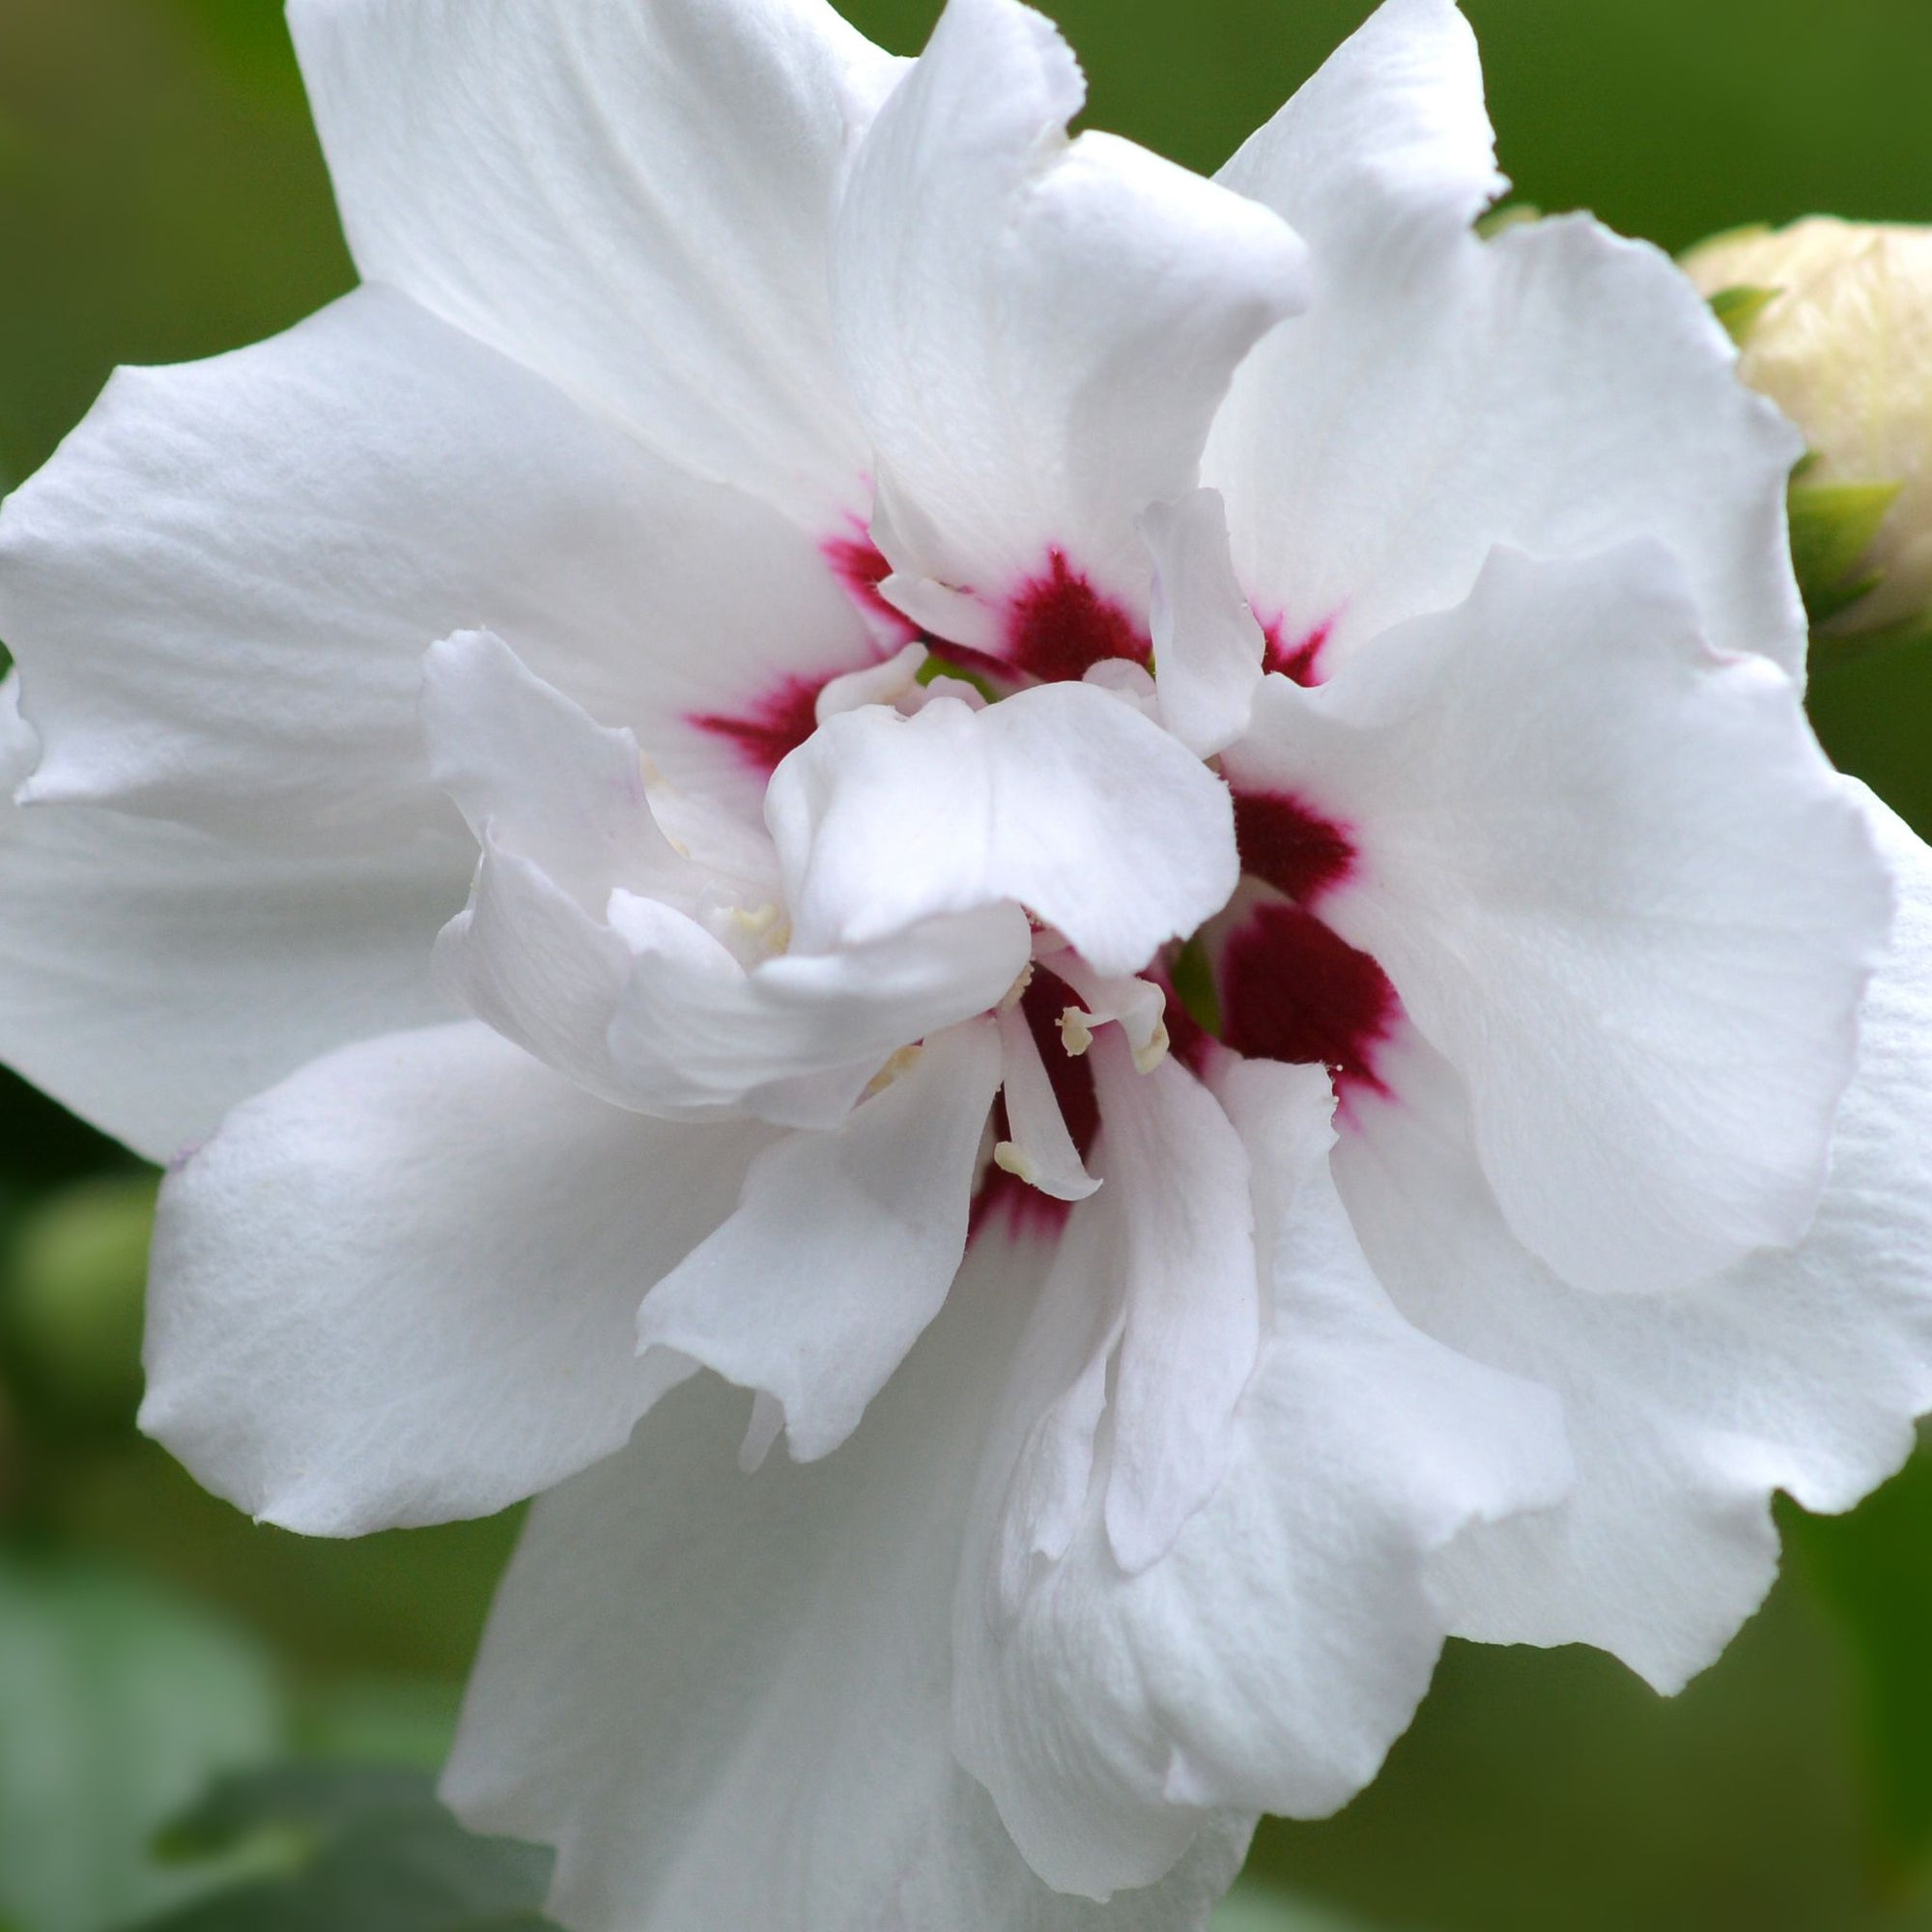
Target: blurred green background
[161,197]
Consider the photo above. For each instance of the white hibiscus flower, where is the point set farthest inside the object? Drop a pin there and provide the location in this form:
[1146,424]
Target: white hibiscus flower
[1391,645]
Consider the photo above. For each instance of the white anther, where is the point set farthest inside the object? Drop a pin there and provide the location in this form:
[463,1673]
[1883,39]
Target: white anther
[877,684]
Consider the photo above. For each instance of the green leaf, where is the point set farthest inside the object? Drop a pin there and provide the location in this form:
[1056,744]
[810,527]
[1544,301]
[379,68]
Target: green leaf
[117,1703]
[1738,308]
[363,1849]
[1833,525]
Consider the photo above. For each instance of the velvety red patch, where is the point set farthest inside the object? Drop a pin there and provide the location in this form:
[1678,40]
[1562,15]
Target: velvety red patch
[1292,989]
[1295,658]
[1294,848]
[1059,627]
[1003,1196]
[860,565]
[771,727]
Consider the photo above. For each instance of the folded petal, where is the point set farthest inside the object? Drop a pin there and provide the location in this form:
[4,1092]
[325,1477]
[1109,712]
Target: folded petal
[725,1698]
[632,201]
[798,1037]
[1798,1370]
[1037,331]
[1179,1190]
[152,974]
[841,1247]
[1557,389]
[1207,643]
[528,958]
[1267,1660]
[539,776]
[221,588]
[1062,798]
[402,1286]
[1616,885]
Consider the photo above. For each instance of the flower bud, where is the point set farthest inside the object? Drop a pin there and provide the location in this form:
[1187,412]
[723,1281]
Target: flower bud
[1834,320]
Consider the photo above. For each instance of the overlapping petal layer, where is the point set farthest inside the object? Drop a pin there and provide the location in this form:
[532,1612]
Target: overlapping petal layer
[402,1286]
[1036,333]
[1616,883]
[1062,799]
[221,592]
[778,1752]
[632,201]
[1797,1370]
[151,974]
[1266,1662]
[1557,388]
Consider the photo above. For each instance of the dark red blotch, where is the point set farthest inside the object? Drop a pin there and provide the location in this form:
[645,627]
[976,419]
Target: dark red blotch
[1059,627]
[1299,659]
[771,727]
[1289,845]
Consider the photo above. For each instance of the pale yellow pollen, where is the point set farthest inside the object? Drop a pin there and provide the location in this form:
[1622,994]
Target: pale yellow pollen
[1016,992]
[899,1064]
[1075,1035]
[1014,1160]
[766,926]
[1149,1056]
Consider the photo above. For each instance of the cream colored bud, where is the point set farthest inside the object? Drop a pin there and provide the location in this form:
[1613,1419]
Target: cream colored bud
[1835,319]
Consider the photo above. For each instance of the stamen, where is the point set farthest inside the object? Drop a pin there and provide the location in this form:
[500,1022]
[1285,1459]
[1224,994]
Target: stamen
[1013,1159]
[899,1064]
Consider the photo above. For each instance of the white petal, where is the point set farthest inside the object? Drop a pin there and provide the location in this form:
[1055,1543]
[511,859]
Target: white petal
[725,1698]
[631,200]
[1617,886]
[1037,331]
[1269,1659]
[401,1287]
[151,974]
[1178,1182]
[1557,389]
[1206,641]
[1798,1370]
[841,1247]
[797,1039]
[1062,798]
[525,957]
[221,589]
[540,776]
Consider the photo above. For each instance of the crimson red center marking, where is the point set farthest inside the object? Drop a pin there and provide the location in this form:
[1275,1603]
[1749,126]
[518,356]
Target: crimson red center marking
[771,727]
[1291,845]
[1299,659]
[1059,627]
[860,566]
[1293,989]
